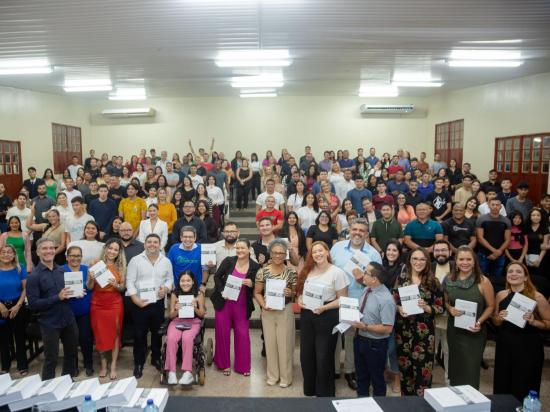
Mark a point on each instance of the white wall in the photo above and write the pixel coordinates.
(519, 106)
(27, 116)
(257, 125)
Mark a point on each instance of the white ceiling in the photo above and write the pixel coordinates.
(172, 44)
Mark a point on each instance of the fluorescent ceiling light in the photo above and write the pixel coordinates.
(485, 55)
(510, 41)
(485, 63)
(378, 91)
(267, 90)
(87, 85)
(417, 84)
(267, 80)
(253, 58)
(244, 95)
(25, 66)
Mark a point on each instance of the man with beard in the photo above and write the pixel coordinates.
(189, 219)
(442, 266)
(458, 231)
(226, 246)
(261, 254)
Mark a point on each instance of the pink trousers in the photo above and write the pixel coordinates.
(187, 338)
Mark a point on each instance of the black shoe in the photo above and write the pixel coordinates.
(263, 350)
(89, 372)
(484, 364)
(352, 383)
(138, 371)
(336, 376)
(156, 364)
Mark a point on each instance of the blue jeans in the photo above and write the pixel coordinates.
(491, 267)
(370, 361)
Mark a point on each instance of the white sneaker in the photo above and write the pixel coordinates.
(186, 379)
(172, 378)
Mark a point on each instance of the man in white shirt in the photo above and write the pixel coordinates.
(70, 191)
(148, 269)
(270, 191)
(162, 161)
(483, 208)
(344, 186)
(20, 210)
(73, 167)
(74, 226)
(226, 246)
(195, 178)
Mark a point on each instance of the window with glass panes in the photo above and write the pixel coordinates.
(449, 137)
(66, 144)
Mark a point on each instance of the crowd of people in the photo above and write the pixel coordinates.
(403, 221)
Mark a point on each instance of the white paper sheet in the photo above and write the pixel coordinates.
(187, 309)
(232, 288)
(341, 328)
(312, 298)
(358, 261)
(410, 295)
(468, 319)
(208, 253)
(75, 282)
(518, 307)
(101, 273)
(357, 405)
(148, 291)
(275, 294)
(349, 310)
(287, 247)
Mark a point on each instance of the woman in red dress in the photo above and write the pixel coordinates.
(107, 309)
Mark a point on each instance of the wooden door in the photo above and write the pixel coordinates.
(10, 166)
(525, 158)
(67, 143)
(449, 139)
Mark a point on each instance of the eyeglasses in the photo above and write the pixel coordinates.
(7, 253)
(125, 230)
(278, 253)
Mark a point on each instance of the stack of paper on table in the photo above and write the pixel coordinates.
(75, 396)
(356, 405)
(115, 393)
(52, 390)
(349, 310)
(147, 291)
(19, 389)
(139, 399)
(410, 295)
(75, 282)
(518, 307)
(101, 273)
(232, 288)
(312, 298)
(275, 293)
(457, 399)
(187, 309)
(469, 317)
(208, 253)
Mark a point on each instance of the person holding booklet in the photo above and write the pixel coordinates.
(81, 306)
(519, 354)
(186, 311)
(319, 287)
(232, 300)
(274, 290)
(469, 299)
(107, 309)
(419, 299)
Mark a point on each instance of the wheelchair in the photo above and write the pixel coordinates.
(202, 354)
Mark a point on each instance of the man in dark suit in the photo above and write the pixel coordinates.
(32, 183)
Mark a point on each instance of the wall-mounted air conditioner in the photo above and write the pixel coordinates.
(386, 108)
(125, 113)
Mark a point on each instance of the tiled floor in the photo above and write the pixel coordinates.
(254, 385)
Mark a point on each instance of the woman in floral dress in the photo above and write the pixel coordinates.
(415, 334)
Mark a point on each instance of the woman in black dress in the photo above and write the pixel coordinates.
(322, 230)
(519, 354)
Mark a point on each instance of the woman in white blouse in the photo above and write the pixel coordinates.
(317, 342)
(218, 200)
(335, 176)
(308, 212)
(296, 199)
(90, 245)
(153, 225)
(140, 174)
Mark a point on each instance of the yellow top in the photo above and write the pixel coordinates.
(132, 211)
(168, 213)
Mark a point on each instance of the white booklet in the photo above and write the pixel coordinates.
(5, 382)
(358, 261)
(208, 253)
(115, 393)
(139, 399)
(187, 309)
(341, 328)
(357, 405)
(232, 288)
(20, 389)
(468, 319)
(275, 293)
(312, 298)
(518, 307)
(52, 390)
(147, 291)
(101, 273)
(349, 310)
(76, 394)
(457, 399)
(410, 295)
(75, 282)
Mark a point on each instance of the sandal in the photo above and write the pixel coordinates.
(226, 372)
(113, 376)
(246, 374)
(24, 372)
(104, 374)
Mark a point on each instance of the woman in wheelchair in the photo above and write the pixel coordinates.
(183, 329)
